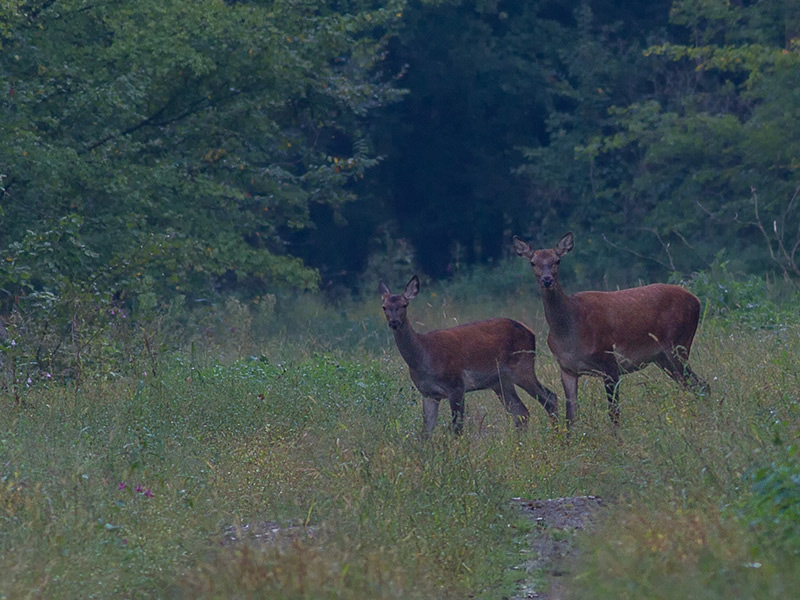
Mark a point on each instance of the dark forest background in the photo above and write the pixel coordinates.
(162, 151)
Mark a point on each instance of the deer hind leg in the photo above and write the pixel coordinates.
(699, 386)
(612, 393)
(527, 380)
(676, 365)
(511, 401)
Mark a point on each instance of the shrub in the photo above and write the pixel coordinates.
(773, 509)
(749, 300)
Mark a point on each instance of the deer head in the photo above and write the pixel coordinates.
(545, 262)
(394, 305)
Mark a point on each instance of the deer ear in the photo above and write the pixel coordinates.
(565, 244)
(522, 248)
(383, 289)
(412, 288)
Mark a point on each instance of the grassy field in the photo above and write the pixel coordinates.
(280, 457)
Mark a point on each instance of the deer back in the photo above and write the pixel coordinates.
(483, 346)
(636, 323)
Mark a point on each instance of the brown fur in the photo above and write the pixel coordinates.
(607, 334)
(494, 354)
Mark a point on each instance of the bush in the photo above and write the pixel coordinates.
(747, 299)
(773, 510)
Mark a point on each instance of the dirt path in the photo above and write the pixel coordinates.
(551, 551)
(552, 543)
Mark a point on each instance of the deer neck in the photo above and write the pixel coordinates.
(560, 312)
(410, 345)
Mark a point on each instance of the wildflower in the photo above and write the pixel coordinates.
(122, 485)
(139, 488)
(148, 493)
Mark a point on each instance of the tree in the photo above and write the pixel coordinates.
(498, 88)
(188, 139)
(665, 172)
(475, 94)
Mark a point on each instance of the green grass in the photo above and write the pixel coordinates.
(128, 486)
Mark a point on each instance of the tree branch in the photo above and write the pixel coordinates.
(641, 256)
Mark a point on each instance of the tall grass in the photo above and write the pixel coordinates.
(300, 422)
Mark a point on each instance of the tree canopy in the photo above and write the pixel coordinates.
(173, 147)
(155, 151)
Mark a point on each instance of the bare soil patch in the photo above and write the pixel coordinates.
(267, 533)
(552, 549)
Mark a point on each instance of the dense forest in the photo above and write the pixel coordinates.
(162, 152)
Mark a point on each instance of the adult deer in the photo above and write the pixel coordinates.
(607, 334)
(494, 354)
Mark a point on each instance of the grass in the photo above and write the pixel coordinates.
(305, 419)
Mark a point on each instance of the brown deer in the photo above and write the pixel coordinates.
(494, 354)
(607, 334)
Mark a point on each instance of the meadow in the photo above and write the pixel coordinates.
(278, 454)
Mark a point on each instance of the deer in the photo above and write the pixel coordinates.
(608, 334)
(496, 354)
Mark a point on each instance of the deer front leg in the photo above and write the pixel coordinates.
(457, 409)
(570, 383)
(612, 393)
(430, 412)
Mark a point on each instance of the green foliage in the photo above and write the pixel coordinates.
(328, 388)
(162, 154)
(231, 147)
(59, 324)
(475, 95)
(192, 140)
(681, 149)
(773, 509)
(750, 300)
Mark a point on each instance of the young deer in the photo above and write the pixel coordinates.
(607, 334)
(494, 354)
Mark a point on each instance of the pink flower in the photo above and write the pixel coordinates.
(148, 493)
(139, 488)
(122, 485)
